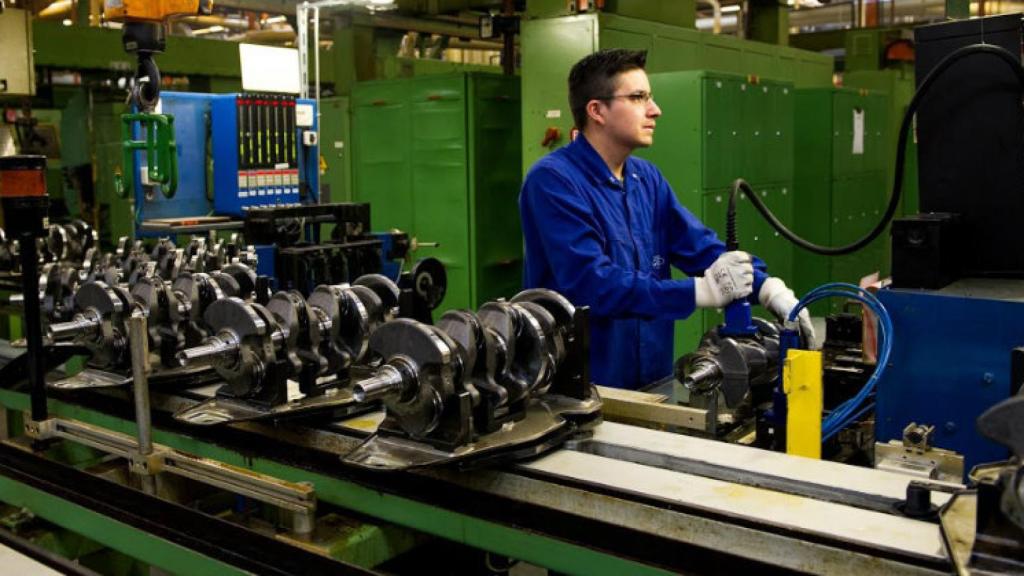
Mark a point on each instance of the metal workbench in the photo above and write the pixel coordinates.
(627, 500)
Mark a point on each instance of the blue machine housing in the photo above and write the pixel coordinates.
(205, 126)
(950, 362)
(238, 188)
(191, 113)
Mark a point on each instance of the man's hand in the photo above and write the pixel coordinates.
(780, 300)
(730, 278)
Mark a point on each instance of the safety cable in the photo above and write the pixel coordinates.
(901, 151)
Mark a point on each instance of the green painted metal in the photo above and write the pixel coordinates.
(115, 215)
(769, 22)
(335, 148)
(841, 193)
(550, 8)
(438, 157)
(160, 148)
(755, 235)
(531, 547)
(670, 48)
(898, 84)
(681, 13)
(111, 533)
(715, 128)
(101, 49)
(864, 49)
(958, 9)
(394, 67)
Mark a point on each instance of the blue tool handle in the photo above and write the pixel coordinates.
(739, 319)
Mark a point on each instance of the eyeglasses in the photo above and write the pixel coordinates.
(639, 97)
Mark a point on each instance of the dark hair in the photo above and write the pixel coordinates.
(594, 77)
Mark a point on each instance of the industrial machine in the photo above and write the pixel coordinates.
(511, 379)
(482, 428)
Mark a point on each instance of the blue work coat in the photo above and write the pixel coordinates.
(608, 243)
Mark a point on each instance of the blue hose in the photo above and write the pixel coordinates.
(847, 412)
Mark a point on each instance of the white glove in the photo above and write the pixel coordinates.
(780, 300)
(730, 278)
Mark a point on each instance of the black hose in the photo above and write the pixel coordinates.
(901, 152)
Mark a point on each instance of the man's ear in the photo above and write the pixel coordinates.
(595, 112)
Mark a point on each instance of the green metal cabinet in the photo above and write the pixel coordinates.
(335, 148)
(898, 84)
(715, 128)
(842, 183)
(670, 49)
(439, 157)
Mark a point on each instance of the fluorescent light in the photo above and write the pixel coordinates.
(210, 30)
(730, 8)
(67, 22)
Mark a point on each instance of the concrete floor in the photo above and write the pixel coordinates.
(14, 563)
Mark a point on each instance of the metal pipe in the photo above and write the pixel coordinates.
(302, 30)
(214, 348)
(508, 49)
(87, 321)
(716, 20)
(138, 338)
(386, 382)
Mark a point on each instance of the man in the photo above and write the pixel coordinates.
(602, 228)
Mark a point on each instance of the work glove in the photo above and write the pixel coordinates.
(780, 300)
(730, 278)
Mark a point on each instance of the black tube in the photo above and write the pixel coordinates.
(901, 152)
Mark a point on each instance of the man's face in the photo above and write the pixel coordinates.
(630, 112)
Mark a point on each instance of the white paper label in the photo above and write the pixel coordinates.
(553, 114)
(858, 131)
(304, 115)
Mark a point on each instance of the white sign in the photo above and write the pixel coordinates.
(269, 69)
(858, 131)
(304, 115)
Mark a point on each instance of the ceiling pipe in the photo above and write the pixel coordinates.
(58, 9)
(716, 19)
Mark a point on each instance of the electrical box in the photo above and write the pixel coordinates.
(235, 152)
(17, 73)
(266, 151)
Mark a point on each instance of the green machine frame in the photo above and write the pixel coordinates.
(373, 500)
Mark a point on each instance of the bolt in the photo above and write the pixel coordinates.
(987, 378)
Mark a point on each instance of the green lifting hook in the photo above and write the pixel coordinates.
(161, 152)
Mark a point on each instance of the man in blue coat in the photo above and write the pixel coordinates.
(603, 227)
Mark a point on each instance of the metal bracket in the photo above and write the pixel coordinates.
(296, 498)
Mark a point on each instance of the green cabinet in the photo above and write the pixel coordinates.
(438, 157)
(335, 148)
(715, 128)
(669, 49)
(841, 179)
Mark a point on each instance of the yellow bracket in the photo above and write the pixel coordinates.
(802, 383)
